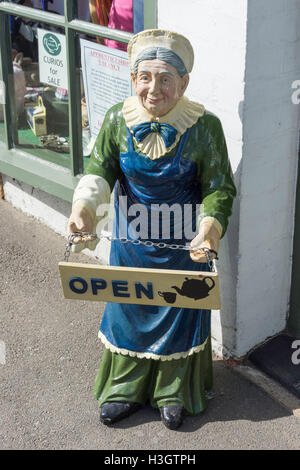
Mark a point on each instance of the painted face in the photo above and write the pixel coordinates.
(158, 86)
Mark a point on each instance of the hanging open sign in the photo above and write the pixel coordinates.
(145, 286)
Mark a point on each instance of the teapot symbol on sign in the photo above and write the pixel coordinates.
(169, 297)
(195, 288)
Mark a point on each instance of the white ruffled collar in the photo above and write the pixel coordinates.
(183, 116)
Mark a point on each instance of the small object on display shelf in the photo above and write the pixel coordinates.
(32, 94)
(36, 117)
(55, 142)
(61, 94)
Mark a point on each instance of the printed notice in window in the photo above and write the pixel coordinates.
(106, 78)
(52, 59)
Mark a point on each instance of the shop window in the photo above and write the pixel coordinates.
(61, 93)
(40, 95)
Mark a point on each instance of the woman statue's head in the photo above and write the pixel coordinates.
(160, 63)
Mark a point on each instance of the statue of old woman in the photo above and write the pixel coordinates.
(155, 148)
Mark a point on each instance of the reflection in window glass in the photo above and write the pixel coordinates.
(53, 6)
(124, 15)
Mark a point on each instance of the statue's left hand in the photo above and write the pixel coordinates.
(208, 237)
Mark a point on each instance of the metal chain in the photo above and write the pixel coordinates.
(108, 236)
(71, 240)
(210, 260)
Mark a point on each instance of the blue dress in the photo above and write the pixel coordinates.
(155, 332)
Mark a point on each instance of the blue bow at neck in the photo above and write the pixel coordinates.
(168, 133)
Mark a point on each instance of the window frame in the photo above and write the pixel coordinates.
(28, 168)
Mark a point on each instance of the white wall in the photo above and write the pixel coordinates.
(217, 31)
(246, 59)
(269, 170)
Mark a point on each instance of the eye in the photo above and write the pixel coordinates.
(144, 78)
(165, 80)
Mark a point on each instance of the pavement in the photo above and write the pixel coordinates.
(50, 353)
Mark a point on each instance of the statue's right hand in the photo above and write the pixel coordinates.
(80, 221)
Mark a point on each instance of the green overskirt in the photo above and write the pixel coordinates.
(162, 383)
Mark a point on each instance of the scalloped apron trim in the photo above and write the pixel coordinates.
(146, 355)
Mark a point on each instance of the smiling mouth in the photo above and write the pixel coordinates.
(152, 101)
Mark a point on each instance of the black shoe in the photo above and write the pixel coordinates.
(117, 410)
(172, 416)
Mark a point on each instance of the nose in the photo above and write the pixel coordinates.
(154, 86)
